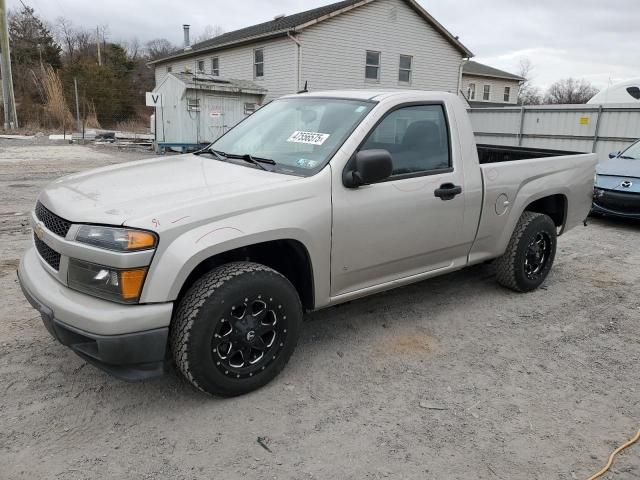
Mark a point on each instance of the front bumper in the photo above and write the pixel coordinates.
(127, 341)
(616, 203)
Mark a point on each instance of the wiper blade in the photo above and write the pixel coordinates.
(217, 153)
(627, 157)
(257, 161)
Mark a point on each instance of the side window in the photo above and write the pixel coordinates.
(258, 63)
(416, 137)
(372, 66)
(471, 91)
(634, 92)
(215, 67)
(404, 71)
(507, 93)
(486, 92)
(200, 66)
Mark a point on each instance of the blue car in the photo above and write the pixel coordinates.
(617, 185)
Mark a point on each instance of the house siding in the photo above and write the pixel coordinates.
(333, 54)
(280, 76)
(497, 88)
(333, 51)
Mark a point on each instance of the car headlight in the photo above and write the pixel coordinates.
(118, 239)
(119, 285)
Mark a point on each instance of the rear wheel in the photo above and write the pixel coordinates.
(236, 328)
(530, 253)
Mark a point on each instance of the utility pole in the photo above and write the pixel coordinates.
(8, 98)
(98, 44)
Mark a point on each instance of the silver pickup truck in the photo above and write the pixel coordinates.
(209, 260)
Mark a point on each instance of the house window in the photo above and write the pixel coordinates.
(200, 65)
(404, 72)
(486, 93)
(250, 108)
(507, 93)
(258, 63)
(471, 91)
(215, 67)
(169, 68)
(372, 68)
(193, 104)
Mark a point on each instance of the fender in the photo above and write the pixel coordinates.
(506, 178)
(305, 218)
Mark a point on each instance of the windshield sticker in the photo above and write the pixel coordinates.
(311, 138)
(306, 163)
(360, 109)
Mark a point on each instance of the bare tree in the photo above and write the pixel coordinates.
(85, 42)
(528, 94)
(132, 47)
(158, 47)
(209, 32)
(570, 91)
(65, 34)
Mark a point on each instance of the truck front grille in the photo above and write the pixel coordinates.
(53, 222)
(47, 253)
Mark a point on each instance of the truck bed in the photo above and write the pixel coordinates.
(506, 153)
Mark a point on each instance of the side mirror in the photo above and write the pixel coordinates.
(369, 166)
(614, 154)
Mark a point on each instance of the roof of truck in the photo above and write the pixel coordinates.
(375, 95)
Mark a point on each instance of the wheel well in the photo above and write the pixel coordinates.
(555, 206)
(288, 257)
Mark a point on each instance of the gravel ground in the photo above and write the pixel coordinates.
(451, 378)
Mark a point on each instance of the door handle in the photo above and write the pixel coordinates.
(447, 191)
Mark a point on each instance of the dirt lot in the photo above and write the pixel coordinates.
(451, 378)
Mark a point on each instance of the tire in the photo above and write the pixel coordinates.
(221, 335)
(529, 255)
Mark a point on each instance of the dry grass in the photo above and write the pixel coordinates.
(91, 120)
(55, 103)
(136, 125)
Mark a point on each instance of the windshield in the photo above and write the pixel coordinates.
(633, 152)
(299, 134)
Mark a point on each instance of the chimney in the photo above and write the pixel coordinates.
(187, 44)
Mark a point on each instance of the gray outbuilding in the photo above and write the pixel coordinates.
(196, 109)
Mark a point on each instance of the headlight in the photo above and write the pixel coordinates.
(110, 283)
(118, 239)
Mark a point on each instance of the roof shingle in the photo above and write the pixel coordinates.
(475, 68)
(279, 26)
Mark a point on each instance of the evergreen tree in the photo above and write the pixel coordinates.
(31, 40)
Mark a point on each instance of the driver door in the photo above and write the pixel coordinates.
(398, 228)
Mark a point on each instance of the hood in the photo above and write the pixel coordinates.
(620, 167)
(111, 195)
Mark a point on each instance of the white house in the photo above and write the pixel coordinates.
(352, 44)
(485, 86)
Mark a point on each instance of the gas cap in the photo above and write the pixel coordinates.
(502, 204)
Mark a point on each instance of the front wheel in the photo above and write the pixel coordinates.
(236, 328)
(530, 253)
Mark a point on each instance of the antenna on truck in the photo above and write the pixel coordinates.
(305, 89)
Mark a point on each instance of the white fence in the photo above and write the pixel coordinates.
(578, 128)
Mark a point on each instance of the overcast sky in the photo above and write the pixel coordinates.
(592, 39)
